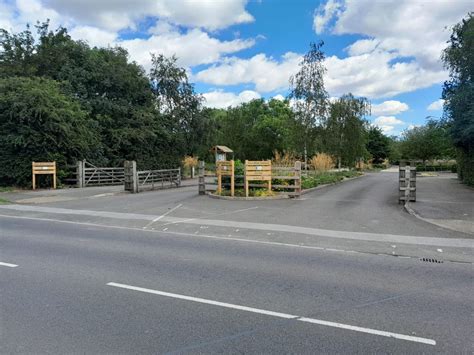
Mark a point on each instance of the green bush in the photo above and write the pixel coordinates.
(39, 123)
(441, 167)
(327, 178)
(465, 170)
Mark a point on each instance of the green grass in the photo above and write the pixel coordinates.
(6, 188)
(3, 201)
(327, 178)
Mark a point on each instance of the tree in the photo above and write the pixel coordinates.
(430, 141)
(176, 99)
(309, 95)
(256, 128)
(38, 122)
(458, 92)
(345, 130)
(113, 91)
(378, 144)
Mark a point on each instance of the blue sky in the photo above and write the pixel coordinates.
(237, 50)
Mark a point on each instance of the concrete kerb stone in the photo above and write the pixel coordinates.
(282, 196)
(242, 198)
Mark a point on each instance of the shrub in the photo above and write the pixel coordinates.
(189, 162)
(322, 162)
(283, 159)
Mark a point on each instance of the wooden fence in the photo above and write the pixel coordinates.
(87, 174)
(285, 180)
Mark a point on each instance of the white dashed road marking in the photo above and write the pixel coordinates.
(8, 264)
(277, 314)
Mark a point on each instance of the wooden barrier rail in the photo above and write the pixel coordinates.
(291, 176)
(43, 168)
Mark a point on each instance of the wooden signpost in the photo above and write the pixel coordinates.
(257, 171)
(225, 168)
(44, 168)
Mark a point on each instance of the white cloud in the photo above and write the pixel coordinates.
(279, 97)
(387, 123)
(98, 22)
(375, 75)
(114, 15)
(93, 35)
(192, 48)
(370, 75)
(408, 27)
(436, 105)
(388, 120)
(390, 107)
(324, 14)
(266, 73)
(221, 99)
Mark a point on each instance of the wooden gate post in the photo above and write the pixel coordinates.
(131, 179)
(298, 180)
(202, 181)
(80, 174)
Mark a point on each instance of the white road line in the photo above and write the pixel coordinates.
(203, 300)
(8, 264)
(369, 331)
(278, 314)
(186, 220)
(163, 215)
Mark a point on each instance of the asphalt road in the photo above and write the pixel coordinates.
(170, 272)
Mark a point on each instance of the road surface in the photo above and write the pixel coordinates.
(171, 272)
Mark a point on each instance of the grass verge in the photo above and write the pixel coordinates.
(327, 178)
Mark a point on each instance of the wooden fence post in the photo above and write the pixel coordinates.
(298, 180)
(80, 174)
(202, 181)
(131, 181)
(193, 172)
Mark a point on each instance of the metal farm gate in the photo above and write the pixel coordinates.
(90, 175)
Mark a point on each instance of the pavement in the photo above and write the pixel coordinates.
(445, 202)
(343, 269)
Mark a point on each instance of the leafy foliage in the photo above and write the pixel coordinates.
(459, 94)
(39, 123)
(430, 141)
(345, 131)
(378, 145)
(310, 96)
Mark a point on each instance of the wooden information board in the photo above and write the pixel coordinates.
(225, 168)
(258, 171)
(44, 168)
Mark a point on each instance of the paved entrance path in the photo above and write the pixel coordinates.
(444, 201)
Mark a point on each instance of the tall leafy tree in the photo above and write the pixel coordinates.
(430, 141)
(310, 99)
(458, 92)
(378, 144)
(178, 101)
(345, 131)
